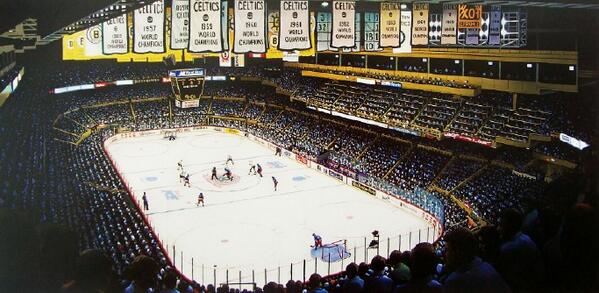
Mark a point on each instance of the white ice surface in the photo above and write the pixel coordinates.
(246, 225)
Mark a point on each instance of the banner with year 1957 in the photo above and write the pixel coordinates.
(148, 28)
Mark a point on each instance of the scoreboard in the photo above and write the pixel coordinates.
(187, 86)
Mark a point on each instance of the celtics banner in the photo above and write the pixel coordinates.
(449, 32)
(390, 32)
(250, 26)
(343, 34)
(205, 26)
(115, 36)
(420, 24)
(294, 31)
(179, 24)
(148, 28)
(405, 45)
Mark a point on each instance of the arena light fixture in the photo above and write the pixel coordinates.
(528, 65)
(424, 60)
(571, 67)
(324, 4)
(490, 63)
(456, 61)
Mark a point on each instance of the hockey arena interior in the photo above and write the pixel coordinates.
(299, 146)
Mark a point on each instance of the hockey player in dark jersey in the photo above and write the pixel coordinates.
(214, 174)
(275, 182)
(259, 169)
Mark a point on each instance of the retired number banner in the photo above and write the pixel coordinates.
(495, 25)
(294, 31)
(179, 24)
(390, 28)
(204, 26)
(469, 16)
(420, 24)
(148, 28)
(250, 26)
(449, 32)
(115, 36)
(343, 34)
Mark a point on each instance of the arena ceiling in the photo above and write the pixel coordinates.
(56, 18)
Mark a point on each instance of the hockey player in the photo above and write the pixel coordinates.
(278, 151)
(229, 159)
(200, 199)
(317, 241)
(187, 181)
(259, 169)
(275, 182)
(228, 173)
(182, 176)
(145, 200)
(180, 165)
(214, 174)
(252, 168)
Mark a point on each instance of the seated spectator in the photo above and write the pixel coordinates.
(315, 284)
(519, 260)
(93, 273)
(378, 281)
(470, 273)
(353, 283)
(398, 263)
(423, 264)
(143, 273)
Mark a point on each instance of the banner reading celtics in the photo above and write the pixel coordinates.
(148, 28)
(343, 34)
(250, 26)
(115, 36)
(449, 33)
(294, 31)
(204, 26)
(420, 24)
(390, 25)
(179, 24)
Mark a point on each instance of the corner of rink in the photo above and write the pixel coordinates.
(309, 198)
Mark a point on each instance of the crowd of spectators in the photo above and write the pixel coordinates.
(78, 188)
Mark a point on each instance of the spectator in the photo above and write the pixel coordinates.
(143, 273)
(170, 282)
(423, 262)
(93, 273)
(470, 273)
(314, 283)
(400, 271)
(378, 282)
(353, 283)
(519, 260)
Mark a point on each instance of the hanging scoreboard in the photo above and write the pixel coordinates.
(187, 86)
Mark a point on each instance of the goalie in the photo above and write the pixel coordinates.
(317, 241)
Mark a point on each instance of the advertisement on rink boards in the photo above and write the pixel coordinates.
(294, 29)
(343, 34)
(115, 36)
(179, 24)
(204, 26)
(148, 28)
(250, 26)
(390, 26)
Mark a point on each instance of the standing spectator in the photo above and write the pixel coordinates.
(93, 273)
(314, 284)
(519, 260)
(423, 262)
(170, 282)
(470, 273)
(378, 281)
(398, 263)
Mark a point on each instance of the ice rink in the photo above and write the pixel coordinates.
(245, 225)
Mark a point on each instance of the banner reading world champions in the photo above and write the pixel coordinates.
(115, 36)
(205, 26)
(250, 26)
(294, 31)
(343, 34)
(390, 30)
(420, 24)
(148, 28)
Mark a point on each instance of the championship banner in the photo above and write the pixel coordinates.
(92, 42)
(294, 31)
(495, 25)
(343, 34)
(205, 33)
(115, 36)
(469, 16)
(390, 25)
(472, 36)
(148, 28)
(179, 24)
(420, 24)
(449, 33)
(250, 26)
(405, 45)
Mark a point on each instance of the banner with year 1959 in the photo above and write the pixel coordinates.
(250, 26)
(205, 33)
(148, 28)
(343, 34)
(294, 30)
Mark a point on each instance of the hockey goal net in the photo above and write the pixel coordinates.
(169, 134)
(332, 252)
